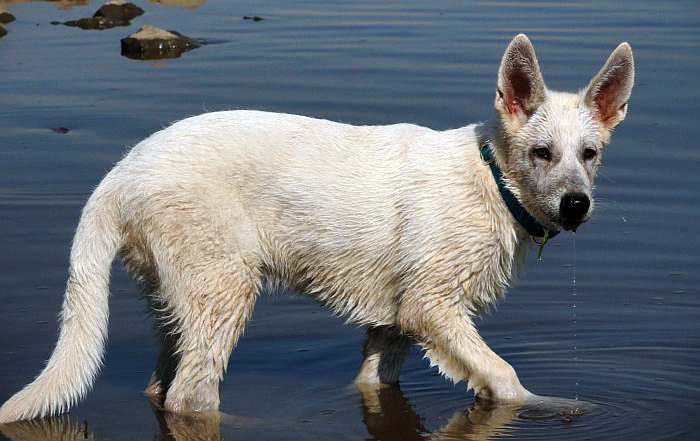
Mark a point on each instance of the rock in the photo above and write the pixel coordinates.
(152, 43)
(189, 4)
(96, 23)
(66, 5)
(253, 17)
(111, 14)
(6, 17)
(3, 32)
(119, 10)
(61, 130)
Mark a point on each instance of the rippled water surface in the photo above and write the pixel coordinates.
(636, 332)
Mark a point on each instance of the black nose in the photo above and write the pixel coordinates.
(574, 206)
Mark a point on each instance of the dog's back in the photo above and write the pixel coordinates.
(309, 200)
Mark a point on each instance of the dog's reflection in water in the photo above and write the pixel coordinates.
(388, 416)
(175, 427)
(172, 427)
(386, 413)
(47, 429)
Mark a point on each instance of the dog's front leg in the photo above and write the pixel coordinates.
(444, 327)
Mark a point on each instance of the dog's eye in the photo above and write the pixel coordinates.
(543, 153)
(589, 154)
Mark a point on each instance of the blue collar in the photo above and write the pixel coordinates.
(525, 219)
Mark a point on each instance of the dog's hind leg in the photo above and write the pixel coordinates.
(139, 262)
(384, 351)
(210, 302)
(166, 363)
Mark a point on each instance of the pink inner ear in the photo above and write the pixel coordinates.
(606, 99)
(518, 93)
(514, 106)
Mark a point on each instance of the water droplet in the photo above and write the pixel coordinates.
(573, 312)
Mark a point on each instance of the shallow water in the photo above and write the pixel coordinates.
(637, 336)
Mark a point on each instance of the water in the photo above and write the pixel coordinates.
(573, 307)
(432, 63)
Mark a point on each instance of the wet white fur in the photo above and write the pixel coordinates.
(397, 227)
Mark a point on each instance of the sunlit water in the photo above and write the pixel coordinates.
(632, 348)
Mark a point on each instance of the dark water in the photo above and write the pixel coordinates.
(636, 333)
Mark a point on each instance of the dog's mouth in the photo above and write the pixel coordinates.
(570, 224)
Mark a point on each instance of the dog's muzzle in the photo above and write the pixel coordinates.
(573, 209)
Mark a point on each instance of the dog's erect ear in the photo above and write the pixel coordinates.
(521, 88)
(608, 92)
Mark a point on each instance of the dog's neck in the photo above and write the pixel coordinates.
(495, 133)
(495, 136)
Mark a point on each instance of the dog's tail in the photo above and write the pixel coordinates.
(77, 358)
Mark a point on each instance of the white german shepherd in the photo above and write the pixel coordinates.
(404, 229)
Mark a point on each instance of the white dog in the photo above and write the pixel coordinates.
(404, 229)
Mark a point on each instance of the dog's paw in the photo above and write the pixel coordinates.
(500, 386)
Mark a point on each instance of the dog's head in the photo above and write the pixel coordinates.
(551, 143)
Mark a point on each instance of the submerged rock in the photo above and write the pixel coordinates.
(6, 17)
(119, 10)
(253, 17)
(99, 23)
(152, 43)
